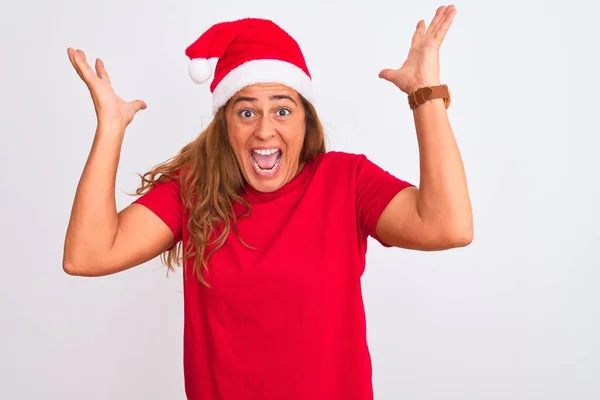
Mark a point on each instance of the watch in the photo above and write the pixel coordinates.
(427, 93)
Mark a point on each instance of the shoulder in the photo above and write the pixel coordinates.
(341, 171)
(341, 164)
(357, 169)
(339, 161)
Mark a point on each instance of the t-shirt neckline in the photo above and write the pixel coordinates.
(255, 196)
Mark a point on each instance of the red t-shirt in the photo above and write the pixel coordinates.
(285, 320)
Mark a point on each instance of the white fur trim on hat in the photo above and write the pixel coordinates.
(261, 71)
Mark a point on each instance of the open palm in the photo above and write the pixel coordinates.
(421, 67)
(108, 105)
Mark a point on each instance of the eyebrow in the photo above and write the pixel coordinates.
(274, 97)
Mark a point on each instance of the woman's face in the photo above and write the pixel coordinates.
(266, 128)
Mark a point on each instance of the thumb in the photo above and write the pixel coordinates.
(386, 74)
(138, 105)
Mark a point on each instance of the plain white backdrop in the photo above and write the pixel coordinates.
(513, 316)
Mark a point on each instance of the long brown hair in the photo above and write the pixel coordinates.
(211, 181)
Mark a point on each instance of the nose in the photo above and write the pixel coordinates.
(265, 129)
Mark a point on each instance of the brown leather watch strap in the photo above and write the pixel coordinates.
(427, 93)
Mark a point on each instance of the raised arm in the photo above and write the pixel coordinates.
(99, 240)
(438, 214)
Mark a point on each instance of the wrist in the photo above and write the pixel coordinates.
(416, 86)
(111, 127)
(433, 105)
(427, 94)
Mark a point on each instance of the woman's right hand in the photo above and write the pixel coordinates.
(110, 108)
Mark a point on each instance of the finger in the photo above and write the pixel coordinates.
(440, 34)
(101, 70)
(71, 53)
(435, 22)
(138, 105)
(419, 32)
(76, 62)
(386, 74)
(84, 69)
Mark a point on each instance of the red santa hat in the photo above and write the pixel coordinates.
(249, 51)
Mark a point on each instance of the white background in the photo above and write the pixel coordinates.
(513, 316)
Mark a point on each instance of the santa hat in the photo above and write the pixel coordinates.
(249, 51)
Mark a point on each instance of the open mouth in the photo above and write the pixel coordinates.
(266, 161)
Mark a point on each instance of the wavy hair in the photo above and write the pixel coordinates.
(210, 182)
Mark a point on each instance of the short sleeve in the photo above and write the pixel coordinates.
(375, 188)
(164, 200)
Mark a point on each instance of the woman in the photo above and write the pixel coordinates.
(273, 229)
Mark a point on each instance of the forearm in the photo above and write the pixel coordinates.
(94, 219)
(443, 199)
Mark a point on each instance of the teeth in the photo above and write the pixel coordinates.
(265, 152)
(265, 170)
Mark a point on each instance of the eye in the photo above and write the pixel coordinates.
(245, 113)
(283, 112)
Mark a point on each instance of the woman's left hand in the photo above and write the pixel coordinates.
(422, 66)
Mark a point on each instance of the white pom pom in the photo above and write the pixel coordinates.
(200, 70)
